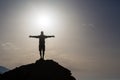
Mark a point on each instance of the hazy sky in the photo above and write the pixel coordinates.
(87, 35)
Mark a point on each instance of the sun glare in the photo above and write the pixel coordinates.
(44, 21)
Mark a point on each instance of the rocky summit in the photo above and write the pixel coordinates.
(40, 70)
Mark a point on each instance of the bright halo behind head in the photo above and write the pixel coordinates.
(44, 21)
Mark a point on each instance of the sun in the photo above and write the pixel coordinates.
(44, 20)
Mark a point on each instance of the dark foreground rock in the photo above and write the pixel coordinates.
(0, 76)
(41, 70)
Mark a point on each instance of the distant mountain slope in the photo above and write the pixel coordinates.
(3, 69)
(41, 70)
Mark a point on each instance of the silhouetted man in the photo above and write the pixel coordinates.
(42, 38)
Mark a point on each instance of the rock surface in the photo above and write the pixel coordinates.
(41, 70)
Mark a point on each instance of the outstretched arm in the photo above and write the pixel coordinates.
(34, 36)
(50, 36)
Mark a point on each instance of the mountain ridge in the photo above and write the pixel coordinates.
(40, 70)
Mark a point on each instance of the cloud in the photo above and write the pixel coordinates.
(9, 46)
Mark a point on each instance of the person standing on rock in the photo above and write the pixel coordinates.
(41, 38)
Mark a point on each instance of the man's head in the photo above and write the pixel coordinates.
(42, 33)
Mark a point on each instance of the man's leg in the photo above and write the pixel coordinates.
(40, 50)
(40, 54)
(43, 51)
